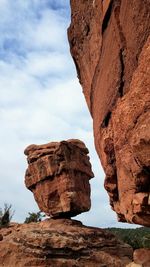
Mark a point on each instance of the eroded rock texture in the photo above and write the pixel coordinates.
(58, 175)
(61, 242)
(142, 256)
(110, 44)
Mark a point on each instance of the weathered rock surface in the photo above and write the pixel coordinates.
(61, 242)
(142, 256)
(58, 175)
(133, 264)
(110, 44)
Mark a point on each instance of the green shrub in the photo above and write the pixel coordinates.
(146, 241)
(34, 217)
(136, 238)
(6, 215)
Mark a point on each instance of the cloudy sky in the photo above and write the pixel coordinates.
(41, 100)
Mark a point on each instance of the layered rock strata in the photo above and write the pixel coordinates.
(110, 45)
(61, 242)
(58, 175)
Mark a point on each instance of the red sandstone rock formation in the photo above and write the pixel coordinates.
(142, 256)
(58, 175)
(110, 45)
(61, 242)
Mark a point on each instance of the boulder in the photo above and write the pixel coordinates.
(142, 256)
(58, 174)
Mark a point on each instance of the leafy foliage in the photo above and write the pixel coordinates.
(34, 217)
(137, 238)
(6, 215)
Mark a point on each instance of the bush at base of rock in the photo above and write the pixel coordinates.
(6, 215)
(34, 217)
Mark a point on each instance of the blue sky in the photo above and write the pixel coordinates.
(41, 100)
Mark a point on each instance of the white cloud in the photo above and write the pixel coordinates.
(47, 33)
(47, 63)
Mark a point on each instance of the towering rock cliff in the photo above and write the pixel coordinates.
(110, 45)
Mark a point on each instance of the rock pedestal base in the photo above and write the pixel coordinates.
(61, 242)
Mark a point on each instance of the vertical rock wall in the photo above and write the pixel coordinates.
(110, 44)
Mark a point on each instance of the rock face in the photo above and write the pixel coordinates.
(142, 256)
(110, 45)
(58, 175)
(61, 242)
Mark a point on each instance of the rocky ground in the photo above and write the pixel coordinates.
(61, 242)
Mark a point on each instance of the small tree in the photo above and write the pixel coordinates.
(34, 217)
(6, 215)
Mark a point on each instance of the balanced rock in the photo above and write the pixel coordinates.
(110, 44)
(58, 175)
(61, 242)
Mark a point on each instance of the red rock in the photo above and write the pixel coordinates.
(61, 242)
(1, 237)
(58, 175)
(133, 264)
(110, 44)
(142, 256)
